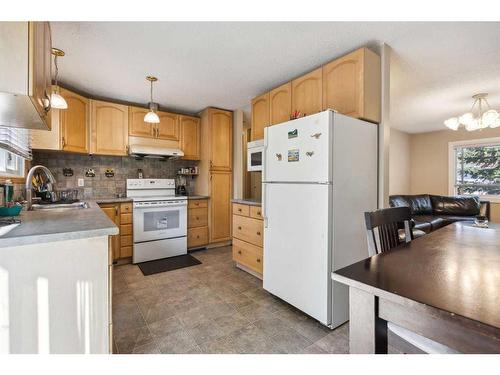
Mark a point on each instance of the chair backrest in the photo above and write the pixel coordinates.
(382, 228)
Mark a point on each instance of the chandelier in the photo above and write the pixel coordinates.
(479, 117)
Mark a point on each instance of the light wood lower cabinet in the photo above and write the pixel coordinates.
(197, 223)
(248, 234)
(121, 215)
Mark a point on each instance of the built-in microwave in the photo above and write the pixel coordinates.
(254, 155)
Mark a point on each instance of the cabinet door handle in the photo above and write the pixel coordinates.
(258, 260)
(63, 142)
(197, 218)
(258, 233)
(198, 236)
(239, 209)
(239, 228)
(116, 210)
(239, 252)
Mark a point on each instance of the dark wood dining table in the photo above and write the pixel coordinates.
(444, 286)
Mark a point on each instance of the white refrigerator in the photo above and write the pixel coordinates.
(319, 177)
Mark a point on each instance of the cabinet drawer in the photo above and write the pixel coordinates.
(126, 208)
(241, 209)
(125, 229)
(197, 217)
(197, 236)
(125, 241)
(126, 218)
(256, 212)
(198, 203)
(125, 251)
(248, 255)
(248, 229)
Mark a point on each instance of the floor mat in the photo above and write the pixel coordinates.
(167, 264)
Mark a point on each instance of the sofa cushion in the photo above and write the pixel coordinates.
(451, 218)
(456, 206)
(422, 225)
(419, 204)
(435, 222)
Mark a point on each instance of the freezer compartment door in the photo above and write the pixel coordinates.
(299, 150)
(297, 247)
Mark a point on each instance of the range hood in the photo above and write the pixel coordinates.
(154, 152)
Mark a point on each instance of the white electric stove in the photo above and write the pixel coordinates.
(160, 219)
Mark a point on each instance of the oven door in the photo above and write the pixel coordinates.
(254, 159)
(160, 222)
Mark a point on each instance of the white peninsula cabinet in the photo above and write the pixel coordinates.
(55, 283)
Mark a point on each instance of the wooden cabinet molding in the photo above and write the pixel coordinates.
(221, 139)
(109, 128)
(74, 123)
(260, 115)
(280, 104)
(190, 137)
(220, 206)
(307, 93)
(351, 85)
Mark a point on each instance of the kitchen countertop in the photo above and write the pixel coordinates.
(51, 226)
(198, 197)
(250, 202)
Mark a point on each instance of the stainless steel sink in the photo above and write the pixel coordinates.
(60, 206)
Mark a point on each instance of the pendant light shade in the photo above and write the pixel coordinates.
(152, 117)
(56, 100)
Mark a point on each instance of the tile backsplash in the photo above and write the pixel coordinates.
(101, 186)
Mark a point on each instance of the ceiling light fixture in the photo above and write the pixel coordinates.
(151, 116)
(479, 117)
(56, 100)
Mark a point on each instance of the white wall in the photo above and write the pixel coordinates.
(399, 163)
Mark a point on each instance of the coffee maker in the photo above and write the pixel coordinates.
(180, 186)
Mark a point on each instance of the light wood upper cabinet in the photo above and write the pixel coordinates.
(307, 92)
(109, 124)
(220, 206)
(280, 104)
(137, 127)
(221, 149)
(74, 123)
(168, 128)
(190, 137)
(25, 74)
(40, 67)
(260, 115)
(351, 85)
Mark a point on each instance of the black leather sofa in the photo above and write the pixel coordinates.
(431, 212)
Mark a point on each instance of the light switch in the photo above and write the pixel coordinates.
(81, 182)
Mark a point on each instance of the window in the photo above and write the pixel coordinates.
(14, 150)
(11, 165)
(475, 167)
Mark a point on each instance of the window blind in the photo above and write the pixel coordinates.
(17, 141)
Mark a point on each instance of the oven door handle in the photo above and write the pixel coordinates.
(139, 207)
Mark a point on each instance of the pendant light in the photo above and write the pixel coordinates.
(479, 117)
(151, 117)
(56, 100)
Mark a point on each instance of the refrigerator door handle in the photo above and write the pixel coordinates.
(264, 178)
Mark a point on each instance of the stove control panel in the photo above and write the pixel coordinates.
(150, 183)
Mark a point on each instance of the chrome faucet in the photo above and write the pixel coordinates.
(29, 183)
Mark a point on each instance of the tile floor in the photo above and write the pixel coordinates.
(211, 308)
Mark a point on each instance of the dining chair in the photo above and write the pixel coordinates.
(383, 229)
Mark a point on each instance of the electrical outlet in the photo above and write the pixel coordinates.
(81, 182)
